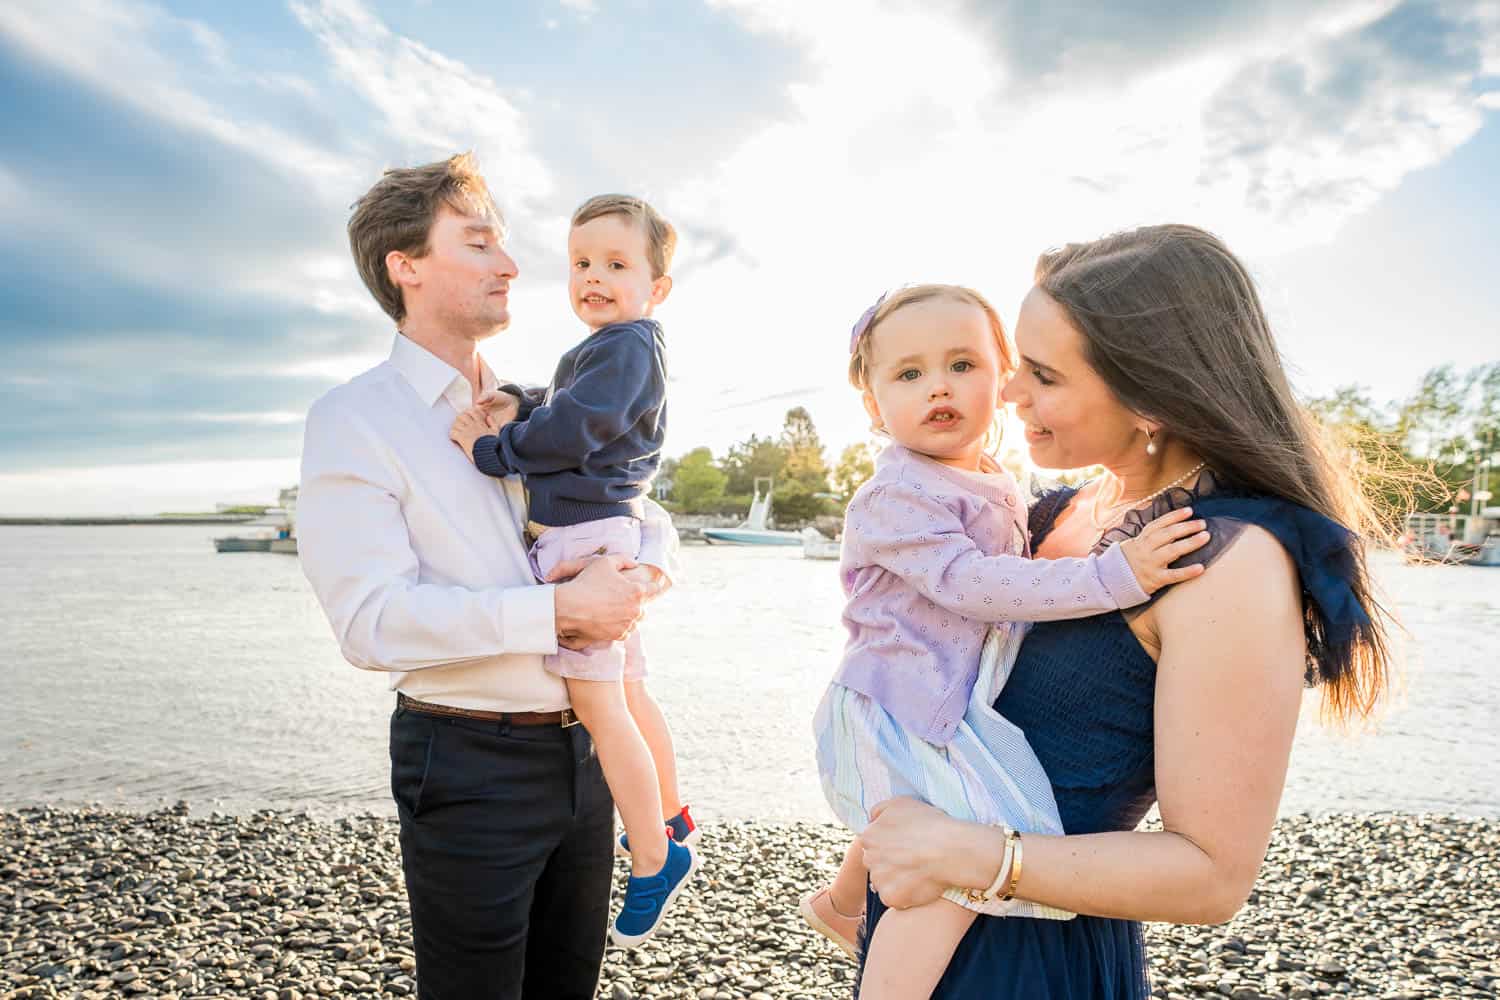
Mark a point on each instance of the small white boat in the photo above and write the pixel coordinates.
(278, 534)
(753, 530)
(816, 545)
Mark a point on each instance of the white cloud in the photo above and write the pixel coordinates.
(433, 104)
(583, 8)
(140, 73)
(915, 152)
(425, 106)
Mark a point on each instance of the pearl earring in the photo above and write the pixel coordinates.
(1150, 443)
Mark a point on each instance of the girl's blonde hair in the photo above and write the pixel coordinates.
(859, 358)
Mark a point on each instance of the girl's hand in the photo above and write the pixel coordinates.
(906, 847)
(1161, 543)
(471, 425)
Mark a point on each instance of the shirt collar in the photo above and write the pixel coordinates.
(431, 377)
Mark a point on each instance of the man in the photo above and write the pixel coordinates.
(419, 563)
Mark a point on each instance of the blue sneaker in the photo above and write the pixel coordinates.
(683, 829)
(648, 899)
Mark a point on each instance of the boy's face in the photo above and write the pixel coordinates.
(609, 275)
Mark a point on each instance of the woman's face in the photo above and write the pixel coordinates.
(1072, 417)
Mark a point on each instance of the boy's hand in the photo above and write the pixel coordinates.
(1161, 543)
(501, 406)
(471, 425)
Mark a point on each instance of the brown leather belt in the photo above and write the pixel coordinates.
(563, 718)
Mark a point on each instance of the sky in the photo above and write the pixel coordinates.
(175, 179)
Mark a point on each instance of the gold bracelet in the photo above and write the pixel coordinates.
(1015, 867)
(987, 895)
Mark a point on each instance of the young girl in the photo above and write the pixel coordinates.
(935, 553)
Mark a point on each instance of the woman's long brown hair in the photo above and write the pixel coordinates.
(1173, 324)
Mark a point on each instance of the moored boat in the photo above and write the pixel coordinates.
(753, 530)
(1462, 539)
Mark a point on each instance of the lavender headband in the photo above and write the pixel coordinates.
(864, 323)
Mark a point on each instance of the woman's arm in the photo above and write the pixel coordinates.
(1228, 690)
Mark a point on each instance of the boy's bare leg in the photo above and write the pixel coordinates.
(626, 760)
(653, 726)
(911, 949)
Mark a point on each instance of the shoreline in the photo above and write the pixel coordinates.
(125, 519)
(105, 903)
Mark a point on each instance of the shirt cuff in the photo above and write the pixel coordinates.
(528, 619)
(1118, 578)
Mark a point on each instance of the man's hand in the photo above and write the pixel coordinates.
(599, 604)
(1161, 543)
(471, 425)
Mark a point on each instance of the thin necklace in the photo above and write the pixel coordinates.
(1094, 509)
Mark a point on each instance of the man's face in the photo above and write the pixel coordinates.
(609, 275)
(463, 283)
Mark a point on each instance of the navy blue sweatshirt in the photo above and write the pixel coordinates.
(589, 451)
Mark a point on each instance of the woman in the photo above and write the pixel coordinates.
(1148, 353)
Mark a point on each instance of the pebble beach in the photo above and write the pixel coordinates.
(97, 903)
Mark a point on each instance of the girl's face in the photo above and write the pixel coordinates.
(934, 379)
(1073, 419)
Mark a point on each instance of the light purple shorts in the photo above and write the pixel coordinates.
(604, 661)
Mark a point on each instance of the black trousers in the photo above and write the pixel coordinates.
(507, 846)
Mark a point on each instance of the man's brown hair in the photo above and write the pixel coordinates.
(398, 212)
(661, 238)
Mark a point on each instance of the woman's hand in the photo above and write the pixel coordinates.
(908, 850)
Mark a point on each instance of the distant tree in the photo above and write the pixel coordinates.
(755, 456)
(696, 483)
(856, 465)
(804, 451)
(794, 503)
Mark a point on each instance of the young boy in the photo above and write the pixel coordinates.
(588, 451)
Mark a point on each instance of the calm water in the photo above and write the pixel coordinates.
(140, 667)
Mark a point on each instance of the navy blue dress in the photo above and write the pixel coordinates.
(1083, 691)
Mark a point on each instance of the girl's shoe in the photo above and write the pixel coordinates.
(648, 899)
(822, 916)
(681, 827)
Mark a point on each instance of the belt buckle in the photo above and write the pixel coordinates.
(568, 718)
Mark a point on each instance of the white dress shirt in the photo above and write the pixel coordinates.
(416, 556)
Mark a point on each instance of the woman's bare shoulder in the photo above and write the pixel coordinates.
(1254, 579)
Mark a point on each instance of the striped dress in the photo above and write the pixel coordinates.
(986, 774)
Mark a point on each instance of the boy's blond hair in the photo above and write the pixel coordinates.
(661, 238)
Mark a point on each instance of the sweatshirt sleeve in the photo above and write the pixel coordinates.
(907, 531)
(528, 397)
(614, 383)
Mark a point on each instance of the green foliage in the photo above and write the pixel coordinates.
(856, 466)
(804, 451)
(793, 504)
(1427, 452)
(755, 456)
(697, 484)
